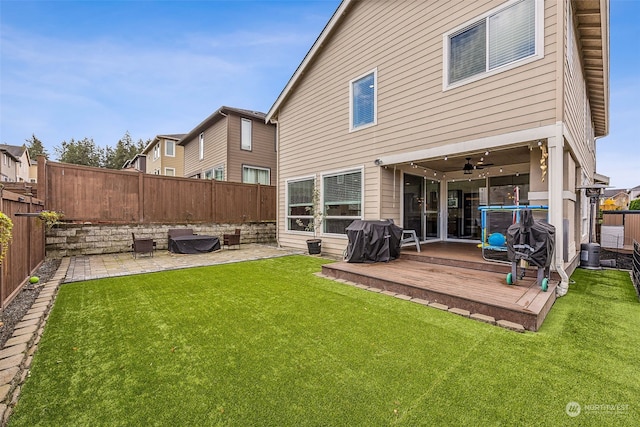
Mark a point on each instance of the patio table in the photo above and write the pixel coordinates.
(194, 244)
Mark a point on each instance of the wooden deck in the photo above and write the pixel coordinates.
(456, 275)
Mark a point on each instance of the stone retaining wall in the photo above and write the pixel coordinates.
(91, 239)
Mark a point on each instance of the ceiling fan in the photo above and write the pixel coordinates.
(468, 167)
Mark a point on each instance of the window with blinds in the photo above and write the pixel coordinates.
(363, 95)
(342, 200)
(501, 38)
(299, 204)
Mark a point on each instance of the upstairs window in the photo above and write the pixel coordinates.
(201, 145)
(245, 136)
(169, 148)
(363, 101)
(495, 42)
(156, 151)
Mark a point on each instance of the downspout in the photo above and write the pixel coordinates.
(277, 147)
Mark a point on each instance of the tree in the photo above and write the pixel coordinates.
(125, 150)
(82, 152)
(35, 148)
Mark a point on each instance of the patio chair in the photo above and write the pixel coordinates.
(142, 246)
(231, 239)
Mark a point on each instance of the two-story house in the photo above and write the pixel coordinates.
(163, 156)
(15, 163)
(422, 112)
(234, 145)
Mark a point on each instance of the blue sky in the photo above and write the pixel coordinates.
(75, 69)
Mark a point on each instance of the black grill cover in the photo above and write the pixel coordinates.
(373, 241)
(531, 240)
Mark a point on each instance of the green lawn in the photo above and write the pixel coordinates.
(267, 343)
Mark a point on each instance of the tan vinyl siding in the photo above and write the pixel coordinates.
(262, 154)
(154, 164)
(176, 162)
(215, 150)
(405, 45)
(191, 157)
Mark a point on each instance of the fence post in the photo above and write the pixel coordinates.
(259, 203)
(43, 193)
(140, 197)
(214, 219)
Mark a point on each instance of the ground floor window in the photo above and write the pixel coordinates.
(300, 204)
(256, 175)
(342, 200)
(218, 173)
(169, 171)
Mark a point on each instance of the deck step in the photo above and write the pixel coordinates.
(454, 286)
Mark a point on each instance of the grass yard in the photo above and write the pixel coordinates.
(267, 343)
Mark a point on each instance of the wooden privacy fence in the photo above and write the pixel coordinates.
(26, 249)
(619, 229)
(87, 194)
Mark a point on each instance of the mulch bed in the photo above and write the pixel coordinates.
(19, 306)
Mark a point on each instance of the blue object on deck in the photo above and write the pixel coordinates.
(497, 239)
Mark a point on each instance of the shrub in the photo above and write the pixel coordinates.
(634, 205)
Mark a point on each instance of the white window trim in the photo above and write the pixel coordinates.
(156, 151)
(166, 144)
(169, 169)
(242, 135)
(257, 168)
(539, 48)
(375, 101)
(201, 146)
(362, 199)
(286, 205)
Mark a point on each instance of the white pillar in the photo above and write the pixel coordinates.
(555, 169)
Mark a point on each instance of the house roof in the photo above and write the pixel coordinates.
(14, 151)
(613, 192)
(218, 115)
(593, 38)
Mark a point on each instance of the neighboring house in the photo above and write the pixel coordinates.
(164, 156)
(139, 163)
(33, 170)
(634, 193)
(424, 112)
(232, 145)
(614, 199)
(15, 163)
